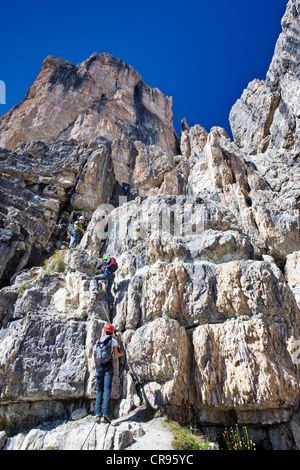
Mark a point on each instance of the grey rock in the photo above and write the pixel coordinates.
(79, 414)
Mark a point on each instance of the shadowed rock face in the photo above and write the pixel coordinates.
(41, 185)
(206, 297)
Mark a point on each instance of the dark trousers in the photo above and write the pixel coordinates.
(75, 240)
(108, 277)
(104, 383)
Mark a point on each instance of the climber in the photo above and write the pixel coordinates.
(106, 348)
(77, 231)
(108, 266)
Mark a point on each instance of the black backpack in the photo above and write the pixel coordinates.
(104, 351)
(113, 265)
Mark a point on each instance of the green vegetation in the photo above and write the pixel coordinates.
(22, 288)
(235, 441)
(185, 438)
(56, 263)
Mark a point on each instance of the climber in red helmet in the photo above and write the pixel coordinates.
(106, 350)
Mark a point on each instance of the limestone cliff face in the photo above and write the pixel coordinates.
(267, 115)
(207, 237)
(82, 134)
(102, 96)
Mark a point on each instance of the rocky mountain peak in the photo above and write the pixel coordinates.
(102, 96)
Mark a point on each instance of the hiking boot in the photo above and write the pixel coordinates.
(105, 419)
(98, 419)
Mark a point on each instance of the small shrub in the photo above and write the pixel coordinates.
(186, 439)
(235, 441)
(56, 263)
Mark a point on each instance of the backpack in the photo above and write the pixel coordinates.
(72, 230)
(113, 265)
(104, 350)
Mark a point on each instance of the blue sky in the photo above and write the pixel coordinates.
(201, 53)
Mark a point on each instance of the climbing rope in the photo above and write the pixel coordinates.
(108, 319)
(88, 436)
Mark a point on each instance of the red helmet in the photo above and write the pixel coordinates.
(109, 329)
